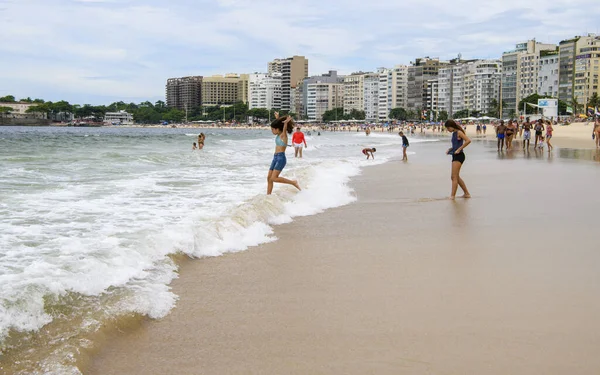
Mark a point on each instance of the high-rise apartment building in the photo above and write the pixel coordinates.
(293, 70)
(371, 95)
(264, 91)
(354, 92)
(469, 85)
(587, 68)
(566, 69)
(322, 93)
(224, 90)
(548, 74)
(433, 94)
(393, 90)
(419, 72)
(184, 93)
(520, 73)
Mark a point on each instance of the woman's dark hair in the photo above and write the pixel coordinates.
(374, 149)
(278, 124)
(453, 124)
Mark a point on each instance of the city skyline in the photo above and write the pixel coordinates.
(100, 51)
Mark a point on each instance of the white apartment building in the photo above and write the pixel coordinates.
(548, 75)
(393, 90)
(264, 90)
(371, 96)
(433, 94)
(322, 97)
(384, 102)
(118, 118)
(469, 85)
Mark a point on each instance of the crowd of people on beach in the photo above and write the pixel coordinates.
(506, 134)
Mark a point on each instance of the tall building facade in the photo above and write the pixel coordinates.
(469, 85)
(393, 90)
(293, 70)
(371, 96)
(520, 73)
(566, 69)
(224, 90)
(418, 73)
(587, 68)
(354, 92)
(433, 94)
(184, 93)
(264, 90)
(322, 93)
(548, 74)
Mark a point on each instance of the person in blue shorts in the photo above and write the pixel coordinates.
(405, 145)
(281, 127)
(500, 131)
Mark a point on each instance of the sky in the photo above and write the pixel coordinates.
(101, 51)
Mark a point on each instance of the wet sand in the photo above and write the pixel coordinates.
(402, 281)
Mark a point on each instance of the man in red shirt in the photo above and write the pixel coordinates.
(297, 140)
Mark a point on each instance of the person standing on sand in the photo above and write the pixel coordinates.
(549, 130)
(459, 142)
(405, 145)
(280, 128)
(500, 130)
(484, 128)
(297, 140)
(539, 128)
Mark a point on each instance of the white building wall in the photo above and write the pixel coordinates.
(548, 76)
(371, 96)
(264, 90)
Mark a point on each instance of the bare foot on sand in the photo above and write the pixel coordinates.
(295, 183)
(466, 196)
(452, 198)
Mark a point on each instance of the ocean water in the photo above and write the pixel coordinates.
(92, 221)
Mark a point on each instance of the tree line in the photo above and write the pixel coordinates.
(148, 112)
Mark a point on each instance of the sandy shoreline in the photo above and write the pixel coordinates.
(400, 281)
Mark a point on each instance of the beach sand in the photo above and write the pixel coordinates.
(401, 281)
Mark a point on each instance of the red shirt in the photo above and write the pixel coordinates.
(298, 138)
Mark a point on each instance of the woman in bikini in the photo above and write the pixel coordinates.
(459, 142)
(201, 138)
(510, 133)
(281, 127)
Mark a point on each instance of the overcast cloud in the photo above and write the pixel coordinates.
(100, 51)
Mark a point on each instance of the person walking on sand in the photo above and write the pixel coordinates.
(297, 141)
(596, 132)
(510, 133)
(549, 130)
(539, 128)
(280, 128)
(405, 145)
(459, 142)
(367, 151)
(500, 130)
(526, 133)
